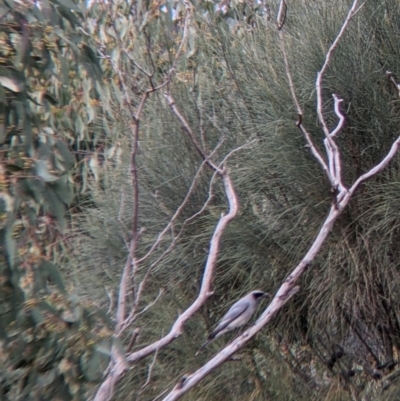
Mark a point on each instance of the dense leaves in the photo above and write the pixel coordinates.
(48, 76)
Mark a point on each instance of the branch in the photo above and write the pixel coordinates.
(188, 382)
(378, 168)
(178, 210)
(205, 291)
(321, 73)
(338, 112)
(288, 288)
(189, 131)
(133, 315)
(332, 150)
(118, 364)
(285, 291)
(335, 165)
(299, 123)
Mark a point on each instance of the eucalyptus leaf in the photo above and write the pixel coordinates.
(11, 79)
(70, 16)
(37, 316)
(50, 99)
(67, 157)
(43, 172)
(51, 273)
(91, 62)
(68, 4)
(90, 366)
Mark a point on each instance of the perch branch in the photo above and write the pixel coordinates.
(286, 290)
(118, 365)
(288, 287)
(205, 292)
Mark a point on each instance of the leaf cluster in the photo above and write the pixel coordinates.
(50, 81)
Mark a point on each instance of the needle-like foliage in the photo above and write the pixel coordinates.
(340, 335)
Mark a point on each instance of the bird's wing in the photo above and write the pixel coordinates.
(233, 313)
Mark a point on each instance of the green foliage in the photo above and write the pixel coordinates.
(49, 348)
(50, 83)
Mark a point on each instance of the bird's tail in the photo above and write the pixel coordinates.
(209, 339)
(202, 347)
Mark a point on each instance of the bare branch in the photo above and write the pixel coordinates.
(281, 18)
(132, 316)
(121, 305)
(175, 215)
(118, 365)
(334, 154)
(170, 225)
(189, 131)
(314, 150)
(205, 291)
(339, 114)
(335, 165)
(299, 123)
(206, 203)
(321, 73)
(135, 335)
(288, 288)
(332, 150)
(138, 66)
(375, 170)
(289, 74)
(150, 369)
(189, 381)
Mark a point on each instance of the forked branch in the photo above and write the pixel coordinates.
(343, 196)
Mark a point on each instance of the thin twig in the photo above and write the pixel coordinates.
(176, 215)
(135, 335)
(339, 113)
(118, 365)
(150, 370)
(328, 57)
(299, 123)
(186, 127)
(205, 292)
(132, 316)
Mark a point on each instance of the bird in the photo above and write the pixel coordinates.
(238, 315)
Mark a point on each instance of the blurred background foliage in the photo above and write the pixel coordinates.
(66, 71)
(54, 345)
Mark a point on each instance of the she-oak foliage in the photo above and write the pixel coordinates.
(64, 130)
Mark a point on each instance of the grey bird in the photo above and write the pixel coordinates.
(238, 315)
